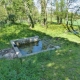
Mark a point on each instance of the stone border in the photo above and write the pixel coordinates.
(38, 52)
(8, 53)
(15, 43)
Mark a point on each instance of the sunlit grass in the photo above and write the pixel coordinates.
(8, 33)
(58, 31)
(61, 64)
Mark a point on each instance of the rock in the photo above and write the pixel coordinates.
(2, 51)
(57, 47)
(9, 55)
(50, 46)
(12, 51)
(75, 32)
(6, 51)
(1, 56)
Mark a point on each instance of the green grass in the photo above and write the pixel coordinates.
(61, 64)
(8, 33)
(77, 22)
(11, 32)
(55, 30)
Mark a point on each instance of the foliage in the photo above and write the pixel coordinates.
(18, 8)
(3, 13)
(61, 64)
(11, 18)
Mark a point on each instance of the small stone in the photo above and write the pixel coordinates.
(9, 55)
(6, 51)
(1, 56)
(2, 51)
(12, 51)
(57, 47)
(70, 50)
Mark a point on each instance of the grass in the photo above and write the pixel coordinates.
(8, 33)
(58, 31)
(77, 22)
(61, 64)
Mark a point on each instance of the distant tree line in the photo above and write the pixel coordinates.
(18, 10)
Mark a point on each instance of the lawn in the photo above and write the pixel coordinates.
(61, 64)
(8, 33)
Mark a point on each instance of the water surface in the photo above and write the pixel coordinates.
(32, 47)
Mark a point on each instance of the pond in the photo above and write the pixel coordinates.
(33, 47)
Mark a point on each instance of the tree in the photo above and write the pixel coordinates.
(3, 13)
(28, 6)
(43, 12)
(60, 10)
(57, 9)
(69, 3)
(7, 4)
(67, 6)
(18, 9)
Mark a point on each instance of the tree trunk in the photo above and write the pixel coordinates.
(58, 19)
(67, 26)
(51, 15)
(43, 13)
(31, 20)
(72, 22)
(29, 14)
(51, 11)
(67, 17)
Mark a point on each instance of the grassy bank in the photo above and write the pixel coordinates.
(8, 33)
(61, 64)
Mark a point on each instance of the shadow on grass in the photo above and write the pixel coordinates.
(78, 35)
(61, 64)
(56, 64)
(24, 32)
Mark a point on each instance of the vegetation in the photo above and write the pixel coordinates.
(51, 65)
(58, 64)
(17, 31)
(22, 18)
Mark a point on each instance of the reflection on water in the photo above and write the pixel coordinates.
(37, 46)
(31, 47)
